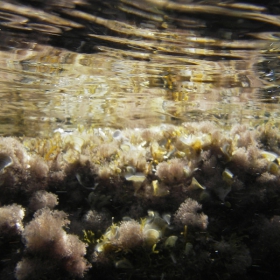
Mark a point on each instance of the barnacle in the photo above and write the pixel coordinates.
(273, 168)
(157, 152)
(228, 176)
(196, 142)
(151, 236)
(270, 156)
(159, 189)
(222, 191)
(5, 161)
(124, 264)
(188, 248)
(171, 241)
(195, 185)
(73, 142)
(71, 156)
(227, 152)
(137, 179)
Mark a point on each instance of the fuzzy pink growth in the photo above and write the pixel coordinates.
(187, 215)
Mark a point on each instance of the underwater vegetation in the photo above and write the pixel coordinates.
(166, 202)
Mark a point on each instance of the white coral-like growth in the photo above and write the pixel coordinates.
(130, 234)
(42, 199)
(11, 219)
(45, 235)
(171, 171)
(187, 215)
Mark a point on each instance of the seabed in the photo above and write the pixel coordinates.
(166, 202)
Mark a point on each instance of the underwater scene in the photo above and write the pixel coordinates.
(139, 139)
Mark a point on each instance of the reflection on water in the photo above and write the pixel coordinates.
(136, 63)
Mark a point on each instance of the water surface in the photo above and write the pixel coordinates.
(136, 64)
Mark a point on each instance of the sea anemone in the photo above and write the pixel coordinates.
(42, 199)
(171, 171)
(45, 237)
(130, 234)
(11, 217)
(188, 215)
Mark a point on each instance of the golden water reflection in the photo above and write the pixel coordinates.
(151, 66)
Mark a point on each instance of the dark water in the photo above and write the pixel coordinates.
(136, 63)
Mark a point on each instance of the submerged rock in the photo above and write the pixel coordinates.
(196, 198)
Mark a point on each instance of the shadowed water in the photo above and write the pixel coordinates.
(136, 63)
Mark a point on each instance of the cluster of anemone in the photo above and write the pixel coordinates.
(49, 248)
(168, 195)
